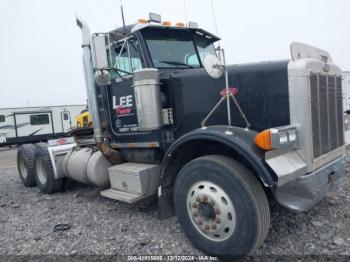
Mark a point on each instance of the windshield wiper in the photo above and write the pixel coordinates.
(176, 63)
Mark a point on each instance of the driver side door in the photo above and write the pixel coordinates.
(126, 57)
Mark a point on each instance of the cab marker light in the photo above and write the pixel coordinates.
(166, 23)
(180, 24)
(142, 21)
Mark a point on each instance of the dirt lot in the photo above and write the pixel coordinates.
(105, 227)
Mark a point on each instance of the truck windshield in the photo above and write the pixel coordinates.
(171, 48)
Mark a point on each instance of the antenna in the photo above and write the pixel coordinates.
(216, 28)
(185, 7)
(214, 17)
(122, 11)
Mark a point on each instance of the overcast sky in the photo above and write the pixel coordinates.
(40, 54)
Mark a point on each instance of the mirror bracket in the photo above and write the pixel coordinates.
(214, 69)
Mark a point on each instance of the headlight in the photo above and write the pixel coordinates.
(274, 138)
(283, 138)
(292, 135)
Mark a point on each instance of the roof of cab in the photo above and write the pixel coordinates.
(120, 31)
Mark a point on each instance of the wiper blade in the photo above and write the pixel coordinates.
(176, 63)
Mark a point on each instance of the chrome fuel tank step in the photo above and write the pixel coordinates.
(131, 182)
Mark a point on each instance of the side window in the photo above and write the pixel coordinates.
(205, 46)
(2, 118)
(204, 51)
(126, 57)
(42, 119)
(192, 60)
(65, 116)
(134, 54)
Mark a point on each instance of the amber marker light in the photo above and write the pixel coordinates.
(263, 140)
(180, 24)
(142, 21)
(166, 23)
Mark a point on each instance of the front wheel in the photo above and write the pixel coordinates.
(221, 207)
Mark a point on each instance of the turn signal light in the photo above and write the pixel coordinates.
(277, 137)
(263, 140)
(166, 23)
(142, 21)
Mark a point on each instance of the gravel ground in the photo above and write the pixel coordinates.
(99, 226)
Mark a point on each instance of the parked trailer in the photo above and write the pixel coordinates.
(214, 141)
(346, 104)
(346, 90)
(34, 124)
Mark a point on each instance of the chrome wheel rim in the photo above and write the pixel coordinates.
(23, 167)
(211, 211)
(41, 172)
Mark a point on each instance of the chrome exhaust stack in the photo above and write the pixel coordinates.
(89, 79)
(95, 57)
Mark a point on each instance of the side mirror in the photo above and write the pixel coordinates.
(100, 59)
(99, 52)
(213, 66)
(102, 77)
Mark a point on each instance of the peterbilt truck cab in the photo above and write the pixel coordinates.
(159, 127)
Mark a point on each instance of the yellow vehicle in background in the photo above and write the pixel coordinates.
(84, 119)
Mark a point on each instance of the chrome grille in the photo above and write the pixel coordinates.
(326, 113)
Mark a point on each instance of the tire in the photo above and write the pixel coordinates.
(25, 165)
(221, 207)
(44, 174)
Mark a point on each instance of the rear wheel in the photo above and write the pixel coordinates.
(221, 207)
(25, 165)
(44, 174)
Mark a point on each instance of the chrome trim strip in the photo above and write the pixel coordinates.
(134, 145)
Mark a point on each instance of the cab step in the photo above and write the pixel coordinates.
(121, 196)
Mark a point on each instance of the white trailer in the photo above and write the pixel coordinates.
(346, 105)
(33, 124)
(346, 90)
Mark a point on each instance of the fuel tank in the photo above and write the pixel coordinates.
(87, 166)
(147, 99)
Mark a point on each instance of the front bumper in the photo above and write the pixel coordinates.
(304, 192)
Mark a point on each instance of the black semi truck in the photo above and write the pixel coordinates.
(153, 92)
